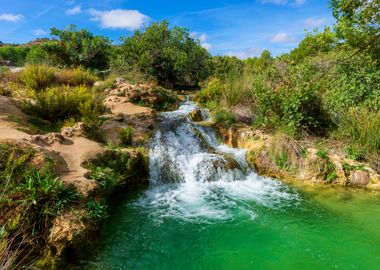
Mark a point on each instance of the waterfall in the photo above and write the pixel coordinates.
(194, 177)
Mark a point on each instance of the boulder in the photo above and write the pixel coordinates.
(196, 115)
(359, 178)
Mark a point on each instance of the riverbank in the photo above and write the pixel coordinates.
(281, 157)
(84, 173)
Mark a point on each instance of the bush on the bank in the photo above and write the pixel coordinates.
(37, 77)
(75, 77)
(61, 103)
(30, 199)
(118, 168)
(126, 135)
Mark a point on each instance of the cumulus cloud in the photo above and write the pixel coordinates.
(315, 21)
(207, 46)
(282, 38)
(119, 18)
(11, 17)
(251, 52)
(75, 10)
(39, 32)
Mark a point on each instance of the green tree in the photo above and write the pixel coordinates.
(80, 48)
(358, 23)
(168, 54)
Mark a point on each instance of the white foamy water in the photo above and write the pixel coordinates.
(195, 178)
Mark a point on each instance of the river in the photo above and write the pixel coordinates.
(207, 209)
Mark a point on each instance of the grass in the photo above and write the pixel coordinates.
(126, 135)
(37, 77)
(75, 77)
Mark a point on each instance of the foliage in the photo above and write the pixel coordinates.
(96, 210)
(37, 55)
(61, 103)
(358, 24)
(354, 153)
(126, 135)
(118, 168)
(169, 55)
(80, 48)
(37, 77)
(15, 54)
(30, 199)
(75, 77)
(224, 117)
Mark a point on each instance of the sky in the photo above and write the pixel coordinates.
(224, 27)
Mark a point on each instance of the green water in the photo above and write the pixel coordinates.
(320, 228)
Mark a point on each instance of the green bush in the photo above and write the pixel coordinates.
(169, 55)
(37, 77)
(126, 135)
(362, 127)
(59, 103)
(96, 210)
(223, 116)
(75, 77)
(37, 55)
(16, 54)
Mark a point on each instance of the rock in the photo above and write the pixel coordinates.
(359, 178)
(243, 114)
(196, 115)
(77, 130)
(48, 138)
(98, 83)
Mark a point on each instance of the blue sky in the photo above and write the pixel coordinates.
(224, 27)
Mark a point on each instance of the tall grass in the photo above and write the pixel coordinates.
(37, 77)
(75, 77)
(362, 127)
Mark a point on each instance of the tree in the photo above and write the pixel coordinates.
(169, 55)
(358, 23)
(80, 48)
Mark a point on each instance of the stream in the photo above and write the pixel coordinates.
(207, 209)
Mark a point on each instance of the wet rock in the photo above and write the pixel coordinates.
(359, 178)
(196, 115)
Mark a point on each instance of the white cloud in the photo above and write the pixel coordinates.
(315, 21)
(119, 18)
(207, 46)
(282, 38)
(75, 10)
(203, 38)
(11, 17)
(251, 52)
(284, 2)
(39, 32)
(200, 36)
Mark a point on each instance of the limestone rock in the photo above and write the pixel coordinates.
(359, 178)
(77, 130)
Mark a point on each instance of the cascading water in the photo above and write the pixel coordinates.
(193, 177)
(206, 209)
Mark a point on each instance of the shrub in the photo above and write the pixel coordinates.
(354, 153)
(362, 127)
(75, 77)
(90, 111)
(37, 77)
(96, 210)
(126, 135)
(223, 116)
(37, 56)
(58, 104)
(118, 168)
(211, 92)
(102, 86)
